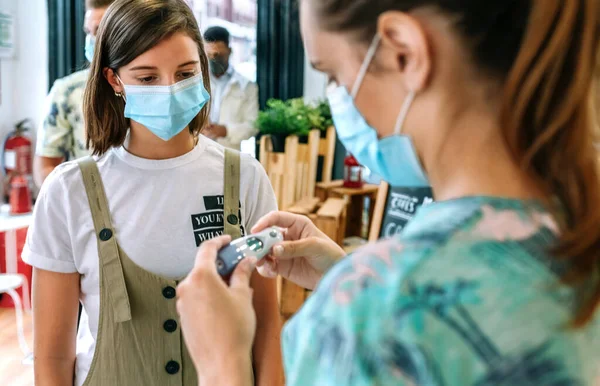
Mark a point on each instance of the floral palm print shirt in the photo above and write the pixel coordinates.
(62, 135)
(467, 295)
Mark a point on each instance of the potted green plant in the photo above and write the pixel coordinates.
(292, 117)
(274, 121)
(324, 111)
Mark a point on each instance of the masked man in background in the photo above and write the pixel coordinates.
(234, 102)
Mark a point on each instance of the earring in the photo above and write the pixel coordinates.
(118, 94)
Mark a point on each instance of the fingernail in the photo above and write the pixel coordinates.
(277, 250)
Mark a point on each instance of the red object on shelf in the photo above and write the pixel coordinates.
(22, 268)
(20, 195)
(16, 155)
(352, 173)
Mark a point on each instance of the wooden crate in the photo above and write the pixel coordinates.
(328, 216)
(355, 199)
(327, 151)
(292, 173)
(323, 189)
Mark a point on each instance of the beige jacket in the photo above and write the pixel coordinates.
(238, 111)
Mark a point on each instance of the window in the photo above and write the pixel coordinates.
(239, 17)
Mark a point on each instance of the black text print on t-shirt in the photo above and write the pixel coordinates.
(210, 224)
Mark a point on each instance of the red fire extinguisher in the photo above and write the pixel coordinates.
(17, 150)
(16, 156)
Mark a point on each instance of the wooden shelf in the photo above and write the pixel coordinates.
(367, 189)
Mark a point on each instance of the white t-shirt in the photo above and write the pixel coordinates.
(161, 211)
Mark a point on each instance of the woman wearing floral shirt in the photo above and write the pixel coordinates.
(498, 282)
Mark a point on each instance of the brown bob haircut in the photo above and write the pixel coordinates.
(130, 28)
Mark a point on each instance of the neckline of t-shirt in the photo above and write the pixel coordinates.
(152, 164)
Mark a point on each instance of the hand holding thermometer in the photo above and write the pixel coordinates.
(258, 246)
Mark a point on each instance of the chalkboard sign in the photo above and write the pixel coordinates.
(395, 207)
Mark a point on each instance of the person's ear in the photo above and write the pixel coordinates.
(405, 37)
(112, 79)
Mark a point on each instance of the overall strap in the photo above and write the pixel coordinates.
(108, 250)
(231, 191)
(231, 203)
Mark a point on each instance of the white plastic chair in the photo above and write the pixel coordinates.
(8, 284)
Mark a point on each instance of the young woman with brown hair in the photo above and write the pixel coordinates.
(498, 282)
(119, 231)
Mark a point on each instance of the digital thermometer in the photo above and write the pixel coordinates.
(258, 246)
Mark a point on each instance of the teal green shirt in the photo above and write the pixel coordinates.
(467, 295)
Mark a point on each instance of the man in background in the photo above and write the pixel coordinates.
(234, 102)
(62, 136)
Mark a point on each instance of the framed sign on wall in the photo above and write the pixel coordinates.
(394, 208)
(7, 34)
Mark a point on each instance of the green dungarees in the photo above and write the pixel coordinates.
(139, 339)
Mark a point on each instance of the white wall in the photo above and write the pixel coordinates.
(24, 79)
(315, 86)
(315, 83)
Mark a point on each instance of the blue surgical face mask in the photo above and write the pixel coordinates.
(90, 44)
(166, 110)
(393, 158)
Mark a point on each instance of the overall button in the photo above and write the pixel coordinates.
(105, 234)
(172, 367)
(232, 219)
(170, 325)
(169, 292)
